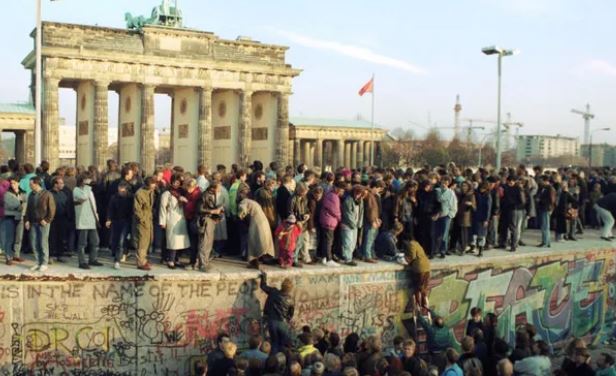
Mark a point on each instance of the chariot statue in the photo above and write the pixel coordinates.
(162, 15)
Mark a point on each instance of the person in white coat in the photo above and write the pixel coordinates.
(86, 221)
(171, 219)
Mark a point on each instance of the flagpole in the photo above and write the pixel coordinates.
(372, 126)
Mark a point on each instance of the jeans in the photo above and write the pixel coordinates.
(89, 238)
(327, 243)
(279, 335)
(607, 219)
(39, 241)
(511, 224)
(301, 248)
(120, 229)
(493, 230)
(193, 235)
(206, 241)
(7, 233)
(442, 226)
(544, 219)
(348, 237)
(367, 246)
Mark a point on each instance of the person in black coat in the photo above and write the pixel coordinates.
(565, 207)
(481, 216)
(283, 198)
(427, 212)
(278, 310)
(119, 221)
(512, 211)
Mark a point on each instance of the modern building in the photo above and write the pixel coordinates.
(544, 147)
(602, 154)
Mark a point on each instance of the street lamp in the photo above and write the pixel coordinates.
(493, 50)
(590, 144)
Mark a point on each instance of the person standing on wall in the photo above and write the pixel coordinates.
(86, 221)
(143, 211)
(278, 311)
(39, 215)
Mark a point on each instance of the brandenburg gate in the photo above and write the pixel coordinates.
(230, 98)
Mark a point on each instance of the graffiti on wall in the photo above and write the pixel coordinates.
(164, 327)
(561, 298)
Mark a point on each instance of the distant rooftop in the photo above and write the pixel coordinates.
(17, 108)
(338, 123)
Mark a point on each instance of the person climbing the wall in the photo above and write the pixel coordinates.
(278, 311)
(419, 268)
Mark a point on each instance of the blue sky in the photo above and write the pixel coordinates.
(422, 53)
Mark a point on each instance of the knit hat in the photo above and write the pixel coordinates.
(291, 219)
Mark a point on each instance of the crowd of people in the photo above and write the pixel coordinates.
(291, 216)
(318, 352)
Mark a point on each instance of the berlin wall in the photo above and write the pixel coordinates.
(162, 327)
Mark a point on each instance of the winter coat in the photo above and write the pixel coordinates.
(265, 198)
(260, 240)
(45, 208)
(465, 210)
(222, 200)
(351, 213)
(546, 198)
(171, 216)
(299, 207)
(143, 205)
(427, 204)
(372, 208)
(86, 217)
(483, 208)
(13, 205)
(405, 209)
(283, 202)
(278, 306)
(5, 185)
(120, 207)
(387, 210)
(330, 215)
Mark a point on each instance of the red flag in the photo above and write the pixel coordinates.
(367, 88)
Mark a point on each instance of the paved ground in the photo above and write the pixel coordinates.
(224, 268)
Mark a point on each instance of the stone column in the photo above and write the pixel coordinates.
(360, 154)
(347, 154)
(148, 151)
(306, 154)
(245, 127)
(50, 127)
(318, 154)
(205, 127)
(297, 158)
(367, 149)
(29, 146)
(20, 150)
(101, 124)
(353, 154)
(339, 154)
(282, 138)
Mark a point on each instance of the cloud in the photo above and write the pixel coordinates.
(602, 67)
(359, 53)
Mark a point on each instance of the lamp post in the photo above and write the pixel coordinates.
(590, 144)
(493, 50)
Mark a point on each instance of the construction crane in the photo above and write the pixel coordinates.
(508, 125)
(470, 126)
(587, 115)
